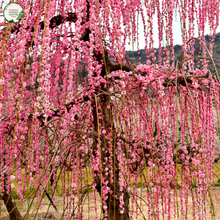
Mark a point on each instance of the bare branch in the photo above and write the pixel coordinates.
(119, 66)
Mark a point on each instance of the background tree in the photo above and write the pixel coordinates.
(145, 123)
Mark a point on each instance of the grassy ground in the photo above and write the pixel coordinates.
(87, 180)
(89, 203)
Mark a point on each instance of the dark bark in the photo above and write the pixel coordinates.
(112, 202)
(11, 206)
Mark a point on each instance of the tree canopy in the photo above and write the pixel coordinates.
(150, 124)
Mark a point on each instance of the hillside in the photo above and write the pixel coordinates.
(178, 51)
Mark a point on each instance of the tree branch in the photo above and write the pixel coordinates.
(54, 22)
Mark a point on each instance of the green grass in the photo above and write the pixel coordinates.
(60, 189)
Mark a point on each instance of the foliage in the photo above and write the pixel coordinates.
(127, 124)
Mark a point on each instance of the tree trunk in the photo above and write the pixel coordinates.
(113, 203)
(114, 211)
(11, 206)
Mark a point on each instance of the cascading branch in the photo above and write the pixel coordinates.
(152, 125)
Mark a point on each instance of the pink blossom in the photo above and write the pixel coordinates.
(12, 177)
(196, 162)
(2, 82)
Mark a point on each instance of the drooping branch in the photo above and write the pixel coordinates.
(54, 22)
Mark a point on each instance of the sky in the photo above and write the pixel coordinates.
(176, 31)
